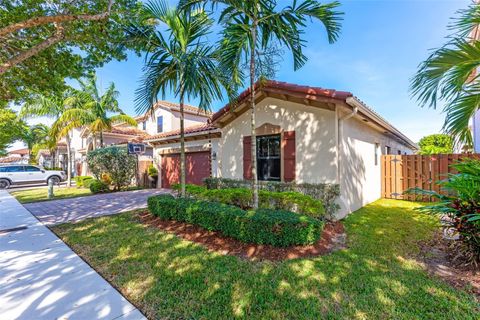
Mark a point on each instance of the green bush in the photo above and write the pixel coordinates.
(325, 192)
(291, 201)
(97, 186)
(80, 180)
(152, 171)
(114, 161)
(264, 226)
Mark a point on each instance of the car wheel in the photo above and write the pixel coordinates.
(4, 184)
(55, 180)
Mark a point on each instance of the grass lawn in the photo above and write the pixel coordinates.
(377, 277)
(41, 194)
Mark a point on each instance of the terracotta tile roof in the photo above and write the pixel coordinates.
(11, 159)
(286, 88)
(131, 131)
(23, 151)
(175, 106)
(203, 127)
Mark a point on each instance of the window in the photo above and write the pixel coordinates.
(268, 157)
(32, 169)
(15, 169)
(388, 150)
(159, 124)
(376, 153)
(144, 125)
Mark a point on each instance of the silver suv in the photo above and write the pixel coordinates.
(24, 174)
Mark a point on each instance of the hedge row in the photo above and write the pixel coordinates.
(263, 226)
(325, 192)
(81, 180)
(242, 197)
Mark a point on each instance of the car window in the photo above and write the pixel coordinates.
(14, 169)
(31, 169)
(3, 169)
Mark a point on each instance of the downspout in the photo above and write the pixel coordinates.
(340, 136)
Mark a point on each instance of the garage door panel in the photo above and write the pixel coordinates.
(197, 168)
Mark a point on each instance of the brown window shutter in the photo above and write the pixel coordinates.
(247, 158)
(288, 148)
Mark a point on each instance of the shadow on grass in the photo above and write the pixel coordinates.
(168, 277)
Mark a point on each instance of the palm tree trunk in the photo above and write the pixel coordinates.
(101, 139)
(252, 117)
(182, 144)
(69, 161)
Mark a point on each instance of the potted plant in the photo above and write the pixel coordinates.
(152, 173)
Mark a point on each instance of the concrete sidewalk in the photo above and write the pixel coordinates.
(42, 278)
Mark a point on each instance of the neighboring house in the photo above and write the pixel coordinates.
(304, 134)
(19, 156)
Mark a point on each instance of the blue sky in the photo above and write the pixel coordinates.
(381, 44)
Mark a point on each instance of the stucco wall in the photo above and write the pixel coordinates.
(315, 139)
(360, 174)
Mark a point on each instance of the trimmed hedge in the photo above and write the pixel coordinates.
(275, 227)
(242, 197)
(80, 180)
(325, 192)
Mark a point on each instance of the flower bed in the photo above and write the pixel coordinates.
(263, 226)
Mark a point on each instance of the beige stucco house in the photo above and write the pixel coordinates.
(304, 134)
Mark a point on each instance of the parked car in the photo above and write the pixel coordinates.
(25, 174)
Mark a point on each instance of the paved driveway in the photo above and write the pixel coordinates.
(76, 209)
(42, 278)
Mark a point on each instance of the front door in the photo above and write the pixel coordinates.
(268, 157)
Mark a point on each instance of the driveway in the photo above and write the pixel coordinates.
(42, 278)
(76, 209)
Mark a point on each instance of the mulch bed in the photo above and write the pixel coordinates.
(333, 238)
(438, 258)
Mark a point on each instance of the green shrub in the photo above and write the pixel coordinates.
(192, 190)
(291, 201)
(264, 226)
(97, 186)
(80, 180)
(87, 182)
(460, 208)
(152, 171)
(325, 192)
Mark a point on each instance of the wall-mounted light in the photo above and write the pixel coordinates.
(214, 155)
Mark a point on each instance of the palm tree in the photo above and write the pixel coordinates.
(34, 135)
(177, 59)
(54, 108)
(91, 109)
(251, 27)
(449, 75)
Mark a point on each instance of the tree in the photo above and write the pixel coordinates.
(115, 162)
(34, 134)
(44, 42)
(449, 75)
(91, 109)
(250, 28)
(435, 144)
(177, 59)
(11, 129)
(54, 108)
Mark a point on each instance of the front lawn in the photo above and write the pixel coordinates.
(41, 194)
(377, 277)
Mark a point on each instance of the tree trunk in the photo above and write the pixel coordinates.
(182, 144)
(69, 161)
(101, 139)
(252, 117)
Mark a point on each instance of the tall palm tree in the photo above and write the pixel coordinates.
(54, 108)
(92, 109)
(177, 59)
(449, 75)
(251, 27)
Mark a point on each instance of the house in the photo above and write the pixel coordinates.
(19, 156)
(303, 134)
